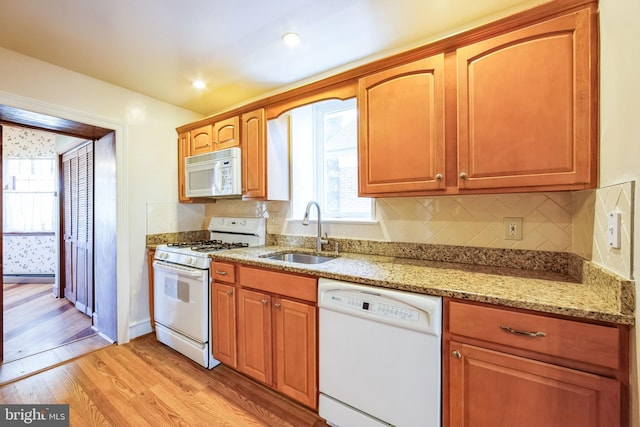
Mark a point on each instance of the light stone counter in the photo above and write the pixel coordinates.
(600, 295)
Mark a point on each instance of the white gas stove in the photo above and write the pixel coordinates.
(182, 303)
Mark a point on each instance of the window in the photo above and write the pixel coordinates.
(325, 161)
(29, 195)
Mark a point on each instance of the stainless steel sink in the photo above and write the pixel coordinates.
(299, 257)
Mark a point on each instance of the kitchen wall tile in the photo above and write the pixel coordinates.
(469, 220)
(172, 217)
(582, 222)
(614, 198)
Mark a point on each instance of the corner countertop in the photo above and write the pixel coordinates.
(609, 300)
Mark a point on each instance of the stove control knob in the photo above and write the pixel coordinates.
(243, 222)
(189, 261)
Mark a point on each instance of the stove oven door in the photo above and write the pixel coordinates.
(181, 300)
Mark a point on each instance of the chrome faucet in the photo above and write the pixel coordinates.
(305, 221)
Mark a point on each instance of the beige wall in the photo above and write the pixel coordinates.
(620, 126)
(146, 156)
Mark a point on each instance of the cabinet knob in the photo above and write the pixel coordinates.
(264, 301)
(456, 354)
(278, 305)
(438, 177)
(229, 293)
(463, 175)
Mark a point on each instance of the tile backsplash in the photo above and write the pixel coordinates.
(615, 198)
(173, 217)
(470, 220)
(573, 222)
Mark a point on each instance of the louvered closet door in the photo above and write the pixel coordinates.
(70, 192)
(78, 227)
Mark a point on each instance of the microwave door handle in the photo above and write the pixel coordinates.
(217, 178)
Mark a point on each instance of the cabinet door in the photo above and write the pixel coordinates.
(296, 350)
(226, 133)
(253, 154)
(223, 319)
(493, 389)
(201, 140)
(183, 151)
(526, 107)
(254, 335)
(401, 129)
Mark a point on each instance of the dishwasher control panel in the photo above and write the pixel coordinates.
(381, 309)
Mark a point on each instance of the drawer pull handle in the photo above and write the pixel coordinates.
(523, 333)
(221, 272)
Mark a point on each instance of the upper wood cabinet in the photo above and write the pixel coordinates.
(510, 106)
(526, 110)
(265, 156)
(200, 140)
(401, 143)
(216, 136)
(254, 151)
(226, 133)
(183, 151)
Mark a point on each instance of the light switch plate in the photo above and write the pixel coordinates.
(614, 221)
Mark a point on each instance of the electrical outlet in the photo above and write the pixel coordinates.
(512, 228)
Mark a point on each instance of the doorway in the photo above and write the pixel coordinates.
(105, 181)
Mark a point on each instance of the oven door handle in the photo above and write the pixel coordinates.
(183, 271)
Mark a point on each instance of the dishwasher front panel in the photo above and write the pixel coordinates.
(376, 368)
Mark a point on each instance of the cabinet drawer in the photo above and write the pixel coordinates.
(300, 287)
(582, 342)
(223, 272)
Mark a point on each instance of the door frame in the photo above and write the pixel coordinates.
(54, 118)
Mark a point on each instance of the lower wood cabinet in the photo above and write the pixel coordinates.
(273, 335)
(508, 368)
(223, 313)
(492, 389)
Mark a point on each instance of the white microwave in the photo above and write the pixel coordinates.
(215, 174)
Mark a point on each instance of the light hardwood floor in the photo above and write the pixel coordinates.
(145, 383)
(35, 320)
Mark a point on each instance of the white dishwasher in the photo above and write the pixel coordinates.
(380, 354)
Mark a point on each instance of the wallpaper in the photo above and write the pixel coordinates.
(23, 254)
(28, 254)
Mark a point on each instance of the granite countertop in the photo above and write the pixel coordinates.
(599, 295)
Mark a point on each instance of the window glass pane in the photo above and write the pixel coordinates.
(325, 160)
(29, 195)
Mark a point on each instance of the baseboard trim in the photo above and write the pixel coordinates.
(142, 327)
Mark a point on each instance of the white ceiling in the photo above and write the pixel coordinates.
(157, 47)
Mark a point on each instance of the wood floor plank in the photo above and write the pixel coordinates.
(35, 320)
(145, 383)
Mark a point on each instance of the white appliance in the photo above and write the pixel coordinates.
(181, 282)
(214, 174)
(379, 356)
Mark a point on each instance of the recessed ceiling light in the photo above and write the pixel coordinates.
(291, 39)
(199, 84)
